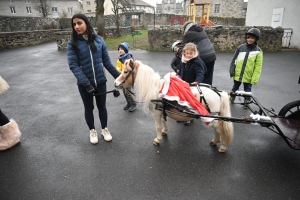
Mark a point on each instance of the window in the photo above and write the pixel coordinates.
(12, 9)
(28, 10)
(54, 9)
(88, 3)
(89, 10)
(70, 10)
(27, 1)
(217, 8)
(10, 1)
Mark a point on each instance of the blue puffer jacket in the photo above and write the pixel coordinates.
(88, 66)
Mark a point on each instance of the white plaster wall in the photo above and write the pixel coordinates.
(20, 7)
(259, 13)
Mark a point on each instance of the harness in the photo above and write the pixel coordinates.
(202, 98)
(130, 72)
(164, 105)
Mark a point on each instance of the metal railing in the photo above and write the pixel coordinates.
(287, 35)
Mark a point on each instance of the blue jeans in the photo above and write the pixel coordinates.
(247, 87)
(88, 102)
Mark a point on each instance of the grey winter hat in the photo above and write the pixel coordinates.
(188, 25)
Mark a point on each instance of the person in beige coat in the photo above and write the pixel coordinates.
(9, 129)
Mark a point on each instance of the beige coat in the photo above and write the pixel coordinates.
(3, 85)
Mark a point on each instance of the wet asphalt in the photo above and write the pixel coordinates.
(55, 159)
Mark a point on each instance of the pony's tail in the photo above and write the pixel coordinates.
(226, 112)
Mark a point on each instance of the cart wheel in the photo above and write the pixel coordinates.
(291, 110)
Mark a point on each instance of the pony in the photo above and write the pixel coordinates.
(147, 85)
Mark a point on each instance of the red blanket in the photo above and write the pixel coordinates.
(175, 89)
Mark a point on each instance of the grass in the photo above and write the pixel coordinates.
(135, 42)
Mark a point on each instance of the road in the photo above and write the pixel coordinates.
(56, 161)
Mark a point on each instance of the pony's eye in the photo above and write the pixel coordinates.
(125, 72)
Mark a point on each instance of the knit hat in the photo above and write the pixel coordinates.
(125, 46)
(187, 25)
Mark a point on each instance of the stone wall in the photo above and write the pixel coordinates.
(228, 21)
(11, 24)
(224, 39)
(9, 40)
(62, 37)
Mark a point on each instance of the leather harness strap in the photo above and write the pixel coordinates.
(202, 98)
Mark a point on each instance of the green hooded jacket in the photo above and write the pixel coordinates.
(246, 64)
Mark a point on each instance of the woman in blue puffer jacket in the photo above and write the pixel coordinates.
(87, 58)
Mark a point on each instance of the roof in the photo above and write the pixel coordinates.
(140, 3)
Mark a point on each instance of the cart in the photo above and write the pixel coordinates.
(286, 123)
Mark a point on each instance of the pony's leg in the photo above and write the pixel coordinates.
(217, 138)
(223, 134)
(157, 115)
(166, 127)
(225, 128)
(226, 135)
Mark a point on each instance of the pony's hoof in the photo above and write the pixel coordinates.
(156, 142)
(164, 133)
(213, 143)
(222, 149)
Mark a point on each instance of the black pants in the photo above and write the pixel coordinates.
(88, 102)
(208, 77)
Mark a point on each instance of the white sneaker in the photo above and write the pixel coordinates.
(106, 135)
(93, 136)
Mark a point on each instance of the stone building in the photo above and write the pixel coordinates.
(170, 7)
(221, 8)
(26, 8)
(89, 7)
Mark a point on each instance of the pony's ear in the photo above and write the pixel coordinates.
(131, 63)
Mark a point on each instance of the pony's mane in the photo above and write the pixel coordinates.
(146, 84)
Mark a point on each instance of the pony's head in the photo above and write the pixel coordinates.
(128, 75)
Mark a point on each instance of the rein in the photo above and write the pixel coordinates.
(116, 93)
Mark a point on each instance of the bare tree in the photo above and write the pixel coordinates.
(100, 18)
(124, 6)
(43, 6)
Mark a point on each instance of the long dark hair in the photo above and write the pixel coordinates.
(90, 33)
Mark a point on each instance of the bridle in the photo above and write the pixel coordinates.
(132, 73)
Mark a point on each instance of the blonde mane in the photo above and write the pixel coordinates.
(147, 84)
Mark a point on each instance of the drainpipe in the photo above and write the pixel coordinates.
(154, 19)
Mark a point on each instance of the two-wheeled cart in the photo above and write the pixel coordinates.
(286, 123)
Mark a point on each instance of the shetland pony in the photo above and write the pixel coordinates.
(147, 85)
